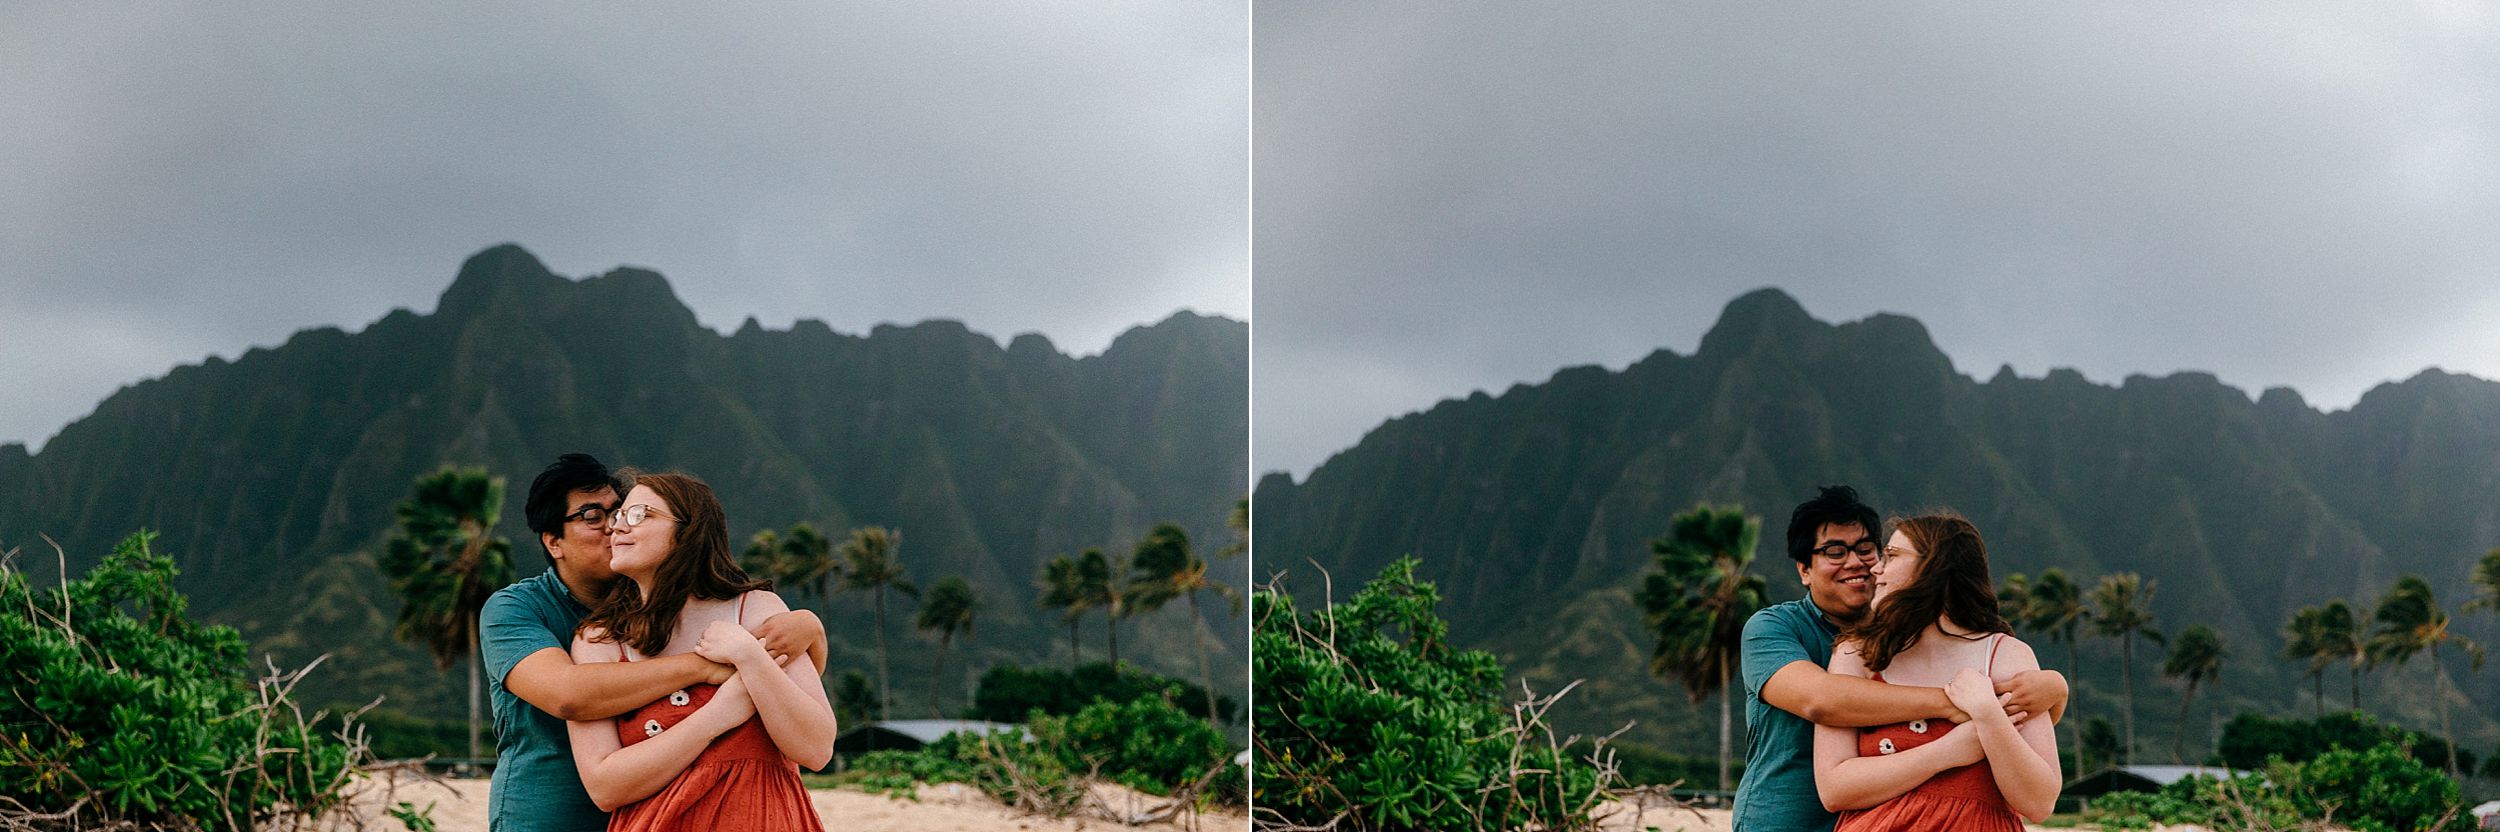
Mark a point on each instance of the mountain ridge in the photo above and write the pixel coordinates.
(1535, 505)
(270, 477)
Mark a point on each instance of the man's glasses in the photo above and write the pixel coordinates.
(593, 514)
(1837, 552)
(633, 515)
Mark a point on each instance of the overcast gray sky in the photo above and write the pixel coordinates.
(1460, 198)
(188, 179)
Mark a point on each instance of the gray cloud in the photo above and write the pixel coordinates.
(196, 179)
(1459, 199)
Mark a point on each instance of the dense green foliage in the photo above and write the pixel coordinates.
(1145, 744)
(118, 704)
(270, 469)
(1537, 499)
(2382, 788)
(2250, 739)
(1008, 693)
(1363, 710)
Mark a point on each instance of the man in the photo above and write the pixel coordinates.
(1787, 690)
(527, 629)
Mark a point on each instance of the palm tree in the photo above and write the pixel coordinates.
(808, 562)
(872, 564)
(2055, 608)
(1104, 586)
(948, 609)
(762, 558)
(2486, 583)
(2339, 636)
(2409, 622)
(2014, 600)
(1063, 589)
(445, 561)
(1237, 521)
(2122, 609)
(2305, 640)
(2196, 658)
(1697, 603)
(1164, 569)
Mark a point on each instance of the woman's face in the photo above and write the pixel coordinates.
(1895, 568)
(638, 549)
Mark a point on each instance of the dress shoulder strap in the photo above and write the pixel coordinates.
(1993, 644)
(742, 607)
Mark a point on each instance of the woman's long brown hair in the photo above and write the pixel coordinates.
(699, 565)
(1952, 585)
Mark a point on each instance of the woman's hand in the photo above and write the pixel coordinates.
(1975, 695)
(727, 643)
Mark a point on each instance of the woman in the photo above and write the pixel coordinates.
(1935, 623)
(708, 757)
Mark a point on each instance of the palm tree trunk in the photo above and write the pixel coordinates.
(2317, 688)
(1111, 621)
(1725, 736)
(2178, 738)
(2439, 689)
(885, 684)
(935, 673)
(2356, 685)
(2126, 692)
(1076, 649)
(1203, 672)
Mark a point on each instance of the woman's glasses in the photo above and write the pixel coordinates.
(633, 515)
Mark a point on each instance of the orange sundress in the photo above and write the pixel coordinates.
(1962, 799)
(741, 781)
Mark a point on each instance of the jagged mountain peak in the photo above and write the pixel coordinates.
(503, 273)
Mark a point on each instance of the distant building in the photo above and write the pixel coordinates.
(912, 734)
(2133, 778)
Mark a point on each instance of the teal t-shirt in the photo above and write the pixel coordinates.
(536, 788)
(1777, 792)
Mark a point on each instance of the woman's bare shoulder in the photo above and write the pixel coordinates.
(2013, 656)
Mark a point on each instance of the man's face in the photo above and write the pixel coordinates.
(582, 549)
(1844, 586)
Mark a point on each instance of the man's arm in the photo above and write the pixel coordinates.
(1843, 701)
(615, 775)
(549, 680)
(1845, 780)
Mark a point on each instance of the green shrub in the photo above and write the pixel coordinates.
(2250, 739)
(1147, 744)
(1008, 693)
(2383, 789)
(121, 706)
(1363, 710)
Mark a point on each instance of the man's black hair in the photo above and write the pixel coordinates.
(549, 493)
(1836, 504)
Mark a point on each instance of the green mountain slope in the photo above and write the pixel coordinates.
(272, 476)
(1533, 508)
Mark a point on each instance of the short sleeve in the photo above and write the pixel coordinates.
(1772, 641)
(509, 630)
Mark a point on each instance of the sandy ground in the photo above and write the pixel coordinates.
(460, 806)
